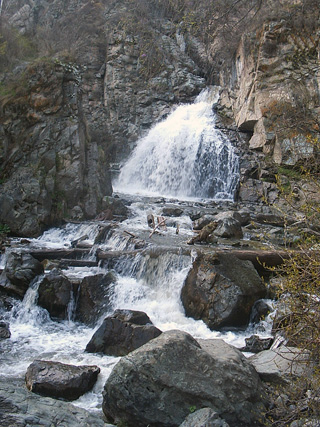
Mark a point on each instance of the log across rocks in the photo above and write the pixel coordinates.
(220, 289)
(158, 383)
(122, 332)
(58, 380)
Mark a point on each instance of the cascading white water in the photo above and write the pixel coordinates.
(183, 156)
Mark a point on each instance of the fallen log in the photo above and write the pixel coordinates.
(80, 239)
(63, 263)
(42, 254)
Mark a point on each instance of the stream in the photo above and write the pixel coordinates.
(172, 167)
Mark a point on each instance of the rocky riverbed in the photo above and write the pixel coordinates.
(57, 290)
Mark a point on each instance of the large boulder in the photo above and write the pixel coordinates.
(158, 383)
(280, 364)
(220, 289)
(21, 268)
(55, 294)
(93, 297)
(122, 332)
(61, 381)
(20, 408)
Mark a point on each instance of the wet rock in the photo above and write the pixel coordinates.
(220, 289)
(123, 332)
(255, 344)
(93, 297)
(4, 330)
(55, 294)
(158, 386)
(167, 211)
(204, 417)
(61, 381)
(20, 408)
(21, 269)
(259, 311)
(116, 207)
(278, 365)
(229, 225)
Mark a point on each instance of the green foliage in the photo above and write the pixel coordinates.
(14, 47)
(192, 409)
(4, 229)
(299, 295)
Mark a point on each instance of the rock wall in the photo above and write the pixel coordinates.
(70, 114)
(273, 91)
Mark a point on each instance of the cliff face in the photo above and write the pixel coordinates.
(65, 119)
(273, 91)
(104, 72)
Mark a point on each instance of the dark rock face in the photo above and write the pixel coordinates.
(221, 290)
(123, 332)
(255, 344)
(260, 309)
(54, 379)
(21, 269)
(20, 408)
(74, 118)
(93, 297)
(4, 330)
(163, 379)
(55, 292)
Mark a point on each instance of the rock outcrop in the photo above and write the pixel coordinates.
(220, 289)
(158, 386)
(93, 298)
(55, 294)
(122, 332)
(21, 268)
(54, 379)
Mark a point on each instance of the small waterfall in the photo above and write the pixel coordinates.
(183, 156)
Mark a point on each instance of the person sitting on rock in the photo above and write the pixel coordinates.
(204, 233)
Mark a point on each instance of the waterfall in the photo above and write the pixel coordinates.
(183, 156)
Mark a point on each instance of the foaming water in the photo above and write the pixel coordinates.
(183, 156)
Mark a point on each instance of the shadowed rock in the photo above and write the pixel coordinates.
(220, 289)
(21, 269)
(123, 332)
(55, 292)
(166, 377)
(54, 379)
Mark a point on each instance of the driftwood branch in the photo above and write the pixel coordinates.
(162, 222)
(130, 234)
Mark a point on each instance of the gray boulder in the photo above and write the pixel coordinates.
(158, 383)
(220, 289)
(21, 269)
(123, 332)
(204, 417)
(20, 408)
(61, 381)
(55, 293)
(93, 297)
(255, 344)
(278, 365)
(229, 225)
